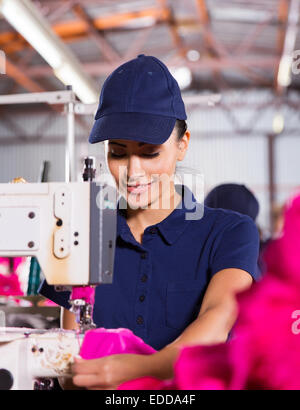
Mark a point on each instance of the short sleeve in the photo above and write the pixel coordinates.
(237, 246)
(60, 298)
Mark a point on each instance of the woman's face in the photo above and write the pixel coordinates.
(144, 172)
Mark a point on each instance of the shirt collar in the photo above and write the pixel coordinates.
(178, 220)
(173, 225)
(123, 229)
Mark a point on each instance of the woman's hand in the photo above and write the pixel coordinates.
(109, 372)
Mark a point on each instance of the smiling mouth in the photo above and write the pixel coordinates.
(138, 188)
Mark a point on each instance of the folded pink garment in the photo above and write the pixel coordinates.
(104, 342)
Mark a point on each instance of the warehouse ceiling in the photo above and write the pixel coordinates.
(225, 44)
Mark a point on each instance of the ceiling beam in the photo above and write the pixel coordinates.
(212, 47)
(248, 42)
(206, 63)
(21, 78)
(173, 28)
(74, 29)
(96, 35)
(283, 11)
(221, 51)
(136, 46)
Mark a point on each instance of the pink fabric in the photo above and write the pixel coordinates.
(87, 293)
(104, 342)
(148, 383)
(265, 350)
(16, 262)
(10, 285)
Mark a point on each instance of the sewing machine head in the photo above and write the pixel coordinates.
(69, 227)
(66, 226)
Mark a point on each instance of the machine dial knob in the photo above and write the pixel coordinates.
(6, 379)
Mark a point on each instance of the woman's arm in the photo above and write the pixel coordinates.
(216, 317)
(219, 309)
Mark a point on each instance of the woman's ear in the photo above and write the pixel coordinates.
(183, 146)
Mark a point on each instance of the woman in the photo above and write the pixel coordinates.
(174, 277)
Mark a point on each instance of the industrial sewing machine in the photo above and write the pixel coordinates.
(71, 230)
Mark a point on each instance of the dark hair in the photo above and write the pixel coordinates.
(181, 127)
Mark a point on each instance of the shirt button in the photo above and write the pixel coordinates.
(143, 255)
(152, 230)
(140, 320)
(142, 298)
(144, 278)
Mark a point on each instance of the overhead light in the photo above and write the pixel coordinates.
(29, 22)
(193, 55)
(278, 123)
(68, 74)
(284, 73)
(183, 76)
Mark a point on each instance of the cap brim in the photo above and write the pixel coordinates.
(148, 128)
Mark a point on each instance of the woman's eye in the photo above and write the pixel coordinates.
(152, 155)
(116, 155)
(122, 155)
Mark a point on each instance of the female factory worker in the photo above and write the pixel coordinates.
(174, 277)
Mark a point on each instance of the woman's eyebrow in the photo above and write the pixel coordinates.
(117, 143)
(123, 145)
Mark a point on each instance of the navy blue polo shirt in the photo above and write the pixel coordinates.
(158, 285)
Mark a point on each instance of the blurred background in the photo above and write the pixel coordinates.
(235, 61)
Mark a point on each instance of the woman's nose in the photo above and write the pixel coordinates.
(134, 167)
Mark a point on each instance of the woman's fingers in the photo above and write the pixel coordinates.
(93, 373)
(87, 366)
(87, 380)
(107, 372)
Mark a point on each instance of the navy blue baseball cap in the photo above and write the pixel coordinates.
(140, 101)
(235, 197)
